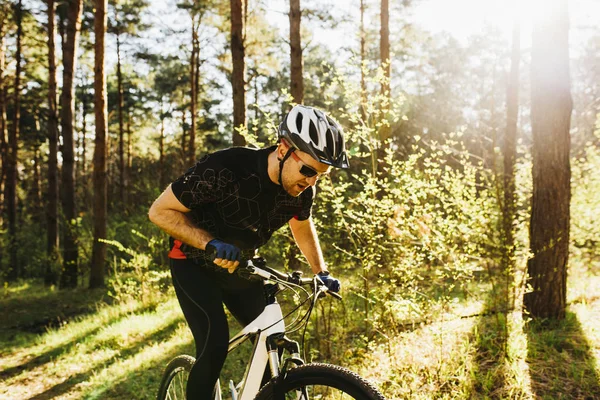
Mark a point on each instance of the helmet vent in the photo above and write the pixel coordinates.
(299, 118)
(331, 148)
(314, 135)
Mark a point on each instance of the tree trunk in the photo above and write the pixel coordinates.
(184, 142)
(363, 62)
(551, 107)
(297, 83)
(52, 247)
(14, 271)
(120, 111)
(194, 91)
(3, 125)
(384, 49)
(84, 113)
(70, 249)
(35, 194)
(237, 76)
(100, 182)
(161, 150)
(510, 152)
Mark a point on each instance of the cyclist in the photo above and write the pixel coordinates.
(228, 205)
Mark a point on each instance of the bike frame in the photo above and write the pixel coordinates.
(268, 324)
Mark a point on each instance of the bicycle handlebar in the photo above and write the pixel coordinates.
(268, 273)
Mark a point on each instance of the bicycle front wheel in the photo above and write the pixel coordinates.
(319, 381)
(175, 377)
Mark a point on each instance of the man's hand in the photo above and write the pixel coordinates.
(227, 255)
(332, 284)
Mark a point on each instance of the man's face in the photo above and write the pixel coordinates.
(296, 170)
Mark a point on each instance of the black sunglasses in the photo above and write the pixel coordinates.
(306, 170)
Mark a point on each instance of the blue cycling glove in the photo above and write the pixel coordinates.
(332, 284)
(224, 250)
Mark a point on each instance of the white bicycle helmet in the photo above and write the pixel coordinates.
(312, 131)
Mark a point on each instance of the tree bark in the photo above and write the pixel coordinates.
(194, 90)
(551, 106)
(510, 155)
(84, 113)
(52, 247)
(161, 150)
(70, 248)
(100, 182)
(384, 47)
(297, 83)
(120, 111)
(14, 271)
(363, 62)
(3, 120)
(237, 76)
(184, 142)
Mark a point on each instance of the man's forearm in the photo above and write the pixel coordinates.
(305, 235)
(178, 225)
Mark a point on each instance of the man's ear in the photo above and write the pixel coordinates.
(281, 150)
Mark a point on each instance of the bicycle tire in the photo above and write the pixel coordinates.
(174, 379)
(321, 378)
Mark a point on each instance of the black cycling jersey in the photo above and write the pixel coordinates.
(231, 196)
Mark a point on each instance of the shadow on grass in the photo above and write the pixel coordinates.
(560, 359)
(141, 383)
(63, 387)
(64, 348)
(34, 312)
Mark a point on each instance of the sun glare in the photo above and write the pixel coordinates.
(463, 18)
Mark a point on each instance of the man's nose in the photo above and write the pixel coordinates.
(312, 181)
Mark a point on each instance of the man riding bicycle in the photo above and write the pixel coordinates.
(228, 205)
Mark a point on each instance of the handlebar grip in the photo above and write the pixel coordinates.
(335, 294)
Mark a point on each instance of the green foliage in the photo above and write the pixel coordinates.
(135, 275)
(585, 205)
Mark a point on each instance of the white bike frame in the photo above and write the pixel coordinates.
(268, 323)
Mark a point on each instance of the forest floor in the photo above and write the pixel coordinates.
(81, 345)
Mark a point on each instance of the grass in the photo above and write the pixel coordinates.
(99, 349)
(497, 356)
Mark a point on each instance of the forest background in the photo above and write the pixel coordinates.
(474, 135)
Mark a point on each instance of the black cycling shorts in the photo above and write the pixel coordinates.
(202, 291)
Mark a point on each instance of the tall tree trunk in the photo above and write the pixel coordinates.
(84, 112)
(3, 123)
(551, 107)
(13, 157)
(237, 76)
(384, 49)
(510, 155)
(52, 247)
(70, 248)
(161, 150)
(363, 62)
(36, 195)
(128, 166)
(100, 182)
(120, 111)
(184, 142)
(297, 83)
(194, 90)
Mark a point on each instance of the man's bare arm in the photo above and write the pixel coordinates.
(305, 235)
(169, 214)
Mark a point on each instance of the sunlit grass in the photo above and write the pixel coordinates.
(471, 358)
(88, 347)
(434, 359)
(120, 351)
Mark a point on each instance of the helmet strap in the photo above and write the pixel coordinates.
(281, 161)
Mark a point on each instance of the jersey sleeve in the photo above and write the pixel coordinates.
(202, 184)
(307, 201)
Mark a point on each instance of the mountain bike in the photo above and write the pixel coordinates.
(291, 378)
